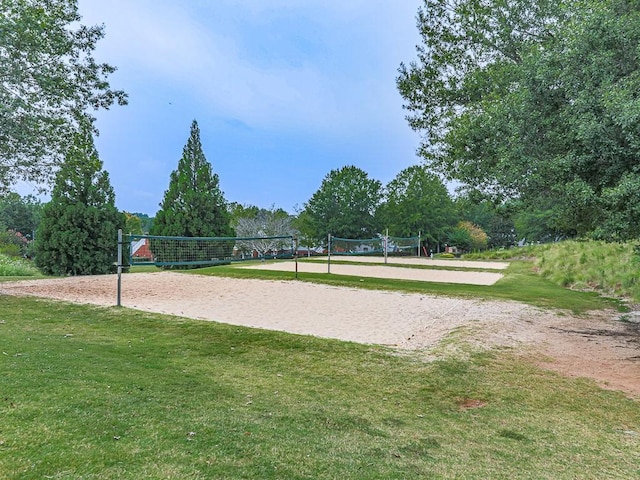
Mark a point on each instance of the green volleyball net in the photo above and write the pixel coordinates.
(390, 246)
(403, 246)
(164, 251)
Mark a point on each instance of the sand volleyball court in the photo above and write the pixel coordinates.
(407, 321)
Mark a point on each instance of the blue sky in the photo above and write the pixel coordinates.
(284, 91)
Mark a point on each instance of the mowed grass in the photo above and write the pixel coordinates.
(92, 393)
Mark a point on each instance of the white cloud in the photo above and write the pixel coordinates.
(197, 49)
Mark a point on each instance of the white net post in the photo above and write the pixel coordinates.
(119, 267)
(329, 253)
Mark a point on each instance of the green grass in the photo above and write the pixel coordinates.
(113, 393)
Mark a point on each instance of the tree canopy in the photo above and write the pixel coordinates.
(534, 103)
(194, 205)
(261, 225)
(77, 234)
(344, 206)
(417, 201)
(21, 214)
(49, 81)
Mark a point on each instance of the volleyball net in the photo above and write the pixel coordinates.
(387, 246)
(163, 251)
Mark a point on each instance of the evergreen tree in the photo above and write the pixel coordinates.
(194, 205)
(77, 234)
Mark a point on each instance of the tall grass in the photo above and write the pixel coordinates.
(608, 268)
(16, 267)
(611, 268)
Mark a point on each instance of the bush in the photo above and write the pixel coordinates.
(12, 243)
(16, 267)
(78, 231)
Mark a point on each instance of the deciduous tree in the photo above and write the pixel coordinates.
(261, 225)
(345, 205)
(533, 101)
(417, 200)
(49, 81)
(20, 214)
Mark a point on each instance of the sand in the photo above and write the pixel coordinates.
(421, 261)
(386, 271)
(595, 346)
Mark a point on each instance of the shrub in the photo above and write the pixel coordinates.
(15, 266)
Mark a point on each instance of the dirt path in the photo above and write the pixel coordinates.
(598, 346)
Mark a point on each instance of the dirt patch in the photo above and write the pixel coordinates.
(597, 346)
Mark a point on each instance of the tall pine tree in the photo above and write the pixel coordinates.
(78, 231)
(194, 205)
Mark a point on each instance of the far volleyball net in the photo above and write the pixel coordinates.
(379, 246)
(167, 251)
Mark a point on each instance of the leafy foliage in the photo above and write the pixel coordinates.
(78, 231)
(11, 266)
(21, 214)
(535, 102)
(469, 236)
(145, 220)
(417, 201)
(12, 243)
(345, 205)
(132, 224)
(48, 81)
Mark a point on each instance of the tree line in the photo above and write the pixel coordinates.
(532, 107)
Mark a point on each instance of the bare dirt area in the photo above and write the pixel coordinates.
(597, 346)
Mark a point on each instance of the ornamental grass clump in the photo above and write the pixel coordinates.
(610, 268)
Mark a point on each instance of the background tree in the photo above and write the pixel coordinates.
(194, 205)
(496, 220)
(77, 234)
(146, 221)
(48, 82)
(260, 223)
(416, 201)
(20, 214)
(345, 205)
(534, 102)
(303, 228)
(132, 224)
(468, 236)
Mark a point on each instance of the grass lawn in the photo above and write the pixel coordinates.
(97, 393)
